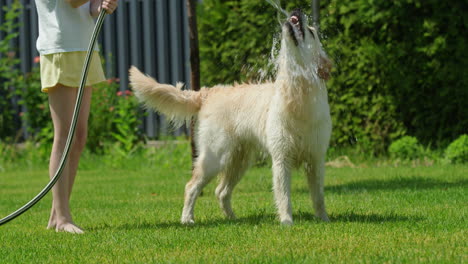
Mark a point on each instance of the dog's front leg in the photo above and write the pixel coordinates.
(315, 172)
(206, 167)
(282, 189)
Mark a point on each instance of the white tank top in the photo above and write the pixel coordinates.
(63, 28)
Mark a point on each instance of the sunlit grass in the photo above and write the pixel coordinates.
(131, 215)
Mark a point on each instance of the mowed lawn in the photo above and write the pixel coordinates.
(379, 215)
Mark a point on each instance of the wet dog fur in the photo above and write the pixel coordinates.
(289, 118)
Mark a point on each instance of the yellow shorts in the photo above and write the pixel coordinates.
(65, 68)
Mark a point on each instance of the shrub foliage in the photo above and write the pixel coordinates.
(457, 151)
(406, 148)
(9, 121)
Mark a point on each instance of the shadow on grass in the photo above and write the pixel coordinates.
(352, 217)
(256, 219)
(263, 218)
(415, 183)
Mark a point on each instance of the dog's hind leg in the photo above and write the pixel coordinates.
(234, 171)
(282, 190)
(315, 172)
(206, 167)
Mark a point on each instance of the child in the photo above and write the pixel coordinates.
(65, 29)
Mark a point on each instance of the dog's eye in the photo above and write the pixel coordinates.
(311, 32)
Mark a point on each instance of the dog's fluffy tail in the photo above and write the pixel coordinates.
(177, 104)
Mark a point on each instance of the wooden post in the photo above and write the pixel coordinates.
(194, 63)
(316, 13)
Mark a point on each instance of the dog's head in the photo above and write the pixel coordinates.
(297, 32)
(296, 29)
(301, 48)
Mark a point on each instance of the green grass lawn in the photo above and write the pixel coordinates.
(378, 215)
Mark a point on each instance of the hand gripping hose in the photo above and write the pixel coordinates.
(71, 133)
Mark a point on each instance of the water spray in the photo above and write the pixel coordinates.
(277, 5)
(71, 133)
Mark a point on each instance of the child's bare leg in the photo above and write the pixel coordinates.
(60, 212)
(62, 100)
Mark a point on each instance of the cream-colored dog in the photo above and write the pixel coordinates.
(289, 118)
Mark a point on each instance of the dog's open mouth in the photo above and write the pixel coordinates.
(295, 26)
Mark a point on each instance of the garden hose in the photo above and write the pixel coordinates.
(71, 133)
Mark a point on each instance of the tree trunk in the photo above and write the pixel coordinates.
(194, 63)
(316, 13)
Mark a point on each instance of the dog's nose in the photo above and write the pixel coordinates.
(294, 20)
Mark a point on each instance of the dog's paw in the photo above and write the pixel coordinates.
(187, 221)
(323, 217)
(230, 215)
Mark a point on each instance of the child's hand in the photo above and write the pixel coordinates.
(109, 6)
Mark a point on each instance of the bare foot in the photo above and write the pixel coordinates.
(51, 224)
(69, 228)
(52, 221)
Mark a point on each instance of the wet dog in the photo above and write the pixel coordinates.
(288, 118)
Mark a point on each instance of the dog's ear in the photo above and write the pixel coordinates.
(325, 64)
(324, 67)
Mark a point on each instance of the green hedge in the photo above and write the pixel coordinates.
(457, 151)
(400, 66)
